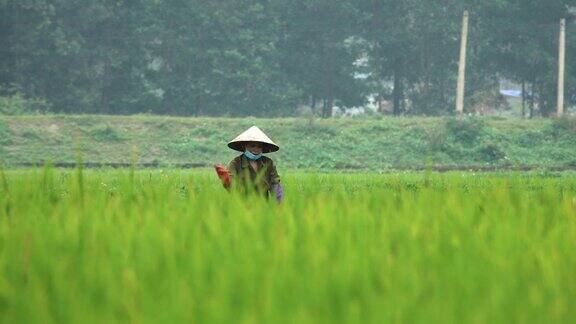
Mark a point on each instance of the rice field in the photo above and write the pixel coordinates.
(104, 246)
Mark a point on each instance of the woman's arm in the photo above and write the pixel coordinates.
(275, 182)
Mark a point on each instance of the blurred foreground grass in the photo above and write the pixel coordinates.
(147, 246)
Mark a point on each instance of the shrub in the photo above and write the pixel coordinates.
(486, 101)
(315, 129)
(306, 113)
(5, 135)
(490, 152)
(203, 131)
(16, 104)
(106, 134)
(561, 126)
(31, 135)
(436, 138)
(465, 130)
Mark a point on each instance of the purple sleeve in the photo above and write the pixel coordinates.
(279, 192)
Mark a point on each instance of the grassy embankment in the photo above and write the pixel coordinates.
(366, 144)
(173, 246)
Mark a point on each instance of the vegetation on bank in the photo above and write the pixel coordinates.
(173, 246)
(362, 144)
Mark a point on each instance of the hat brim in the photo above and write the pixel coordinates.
(266, 147)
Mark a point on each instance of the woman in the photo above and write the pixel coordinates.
(252, 171)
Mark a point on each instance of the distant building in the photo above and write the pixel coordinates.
(511, 93)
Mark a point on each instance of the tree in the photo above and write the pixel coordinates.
(263, 57)
(414, 45)
(82, 57)
(220, 58)
(319, 50)
(522, 41)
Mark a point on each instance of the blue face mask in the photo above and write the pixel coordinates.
(251, 156)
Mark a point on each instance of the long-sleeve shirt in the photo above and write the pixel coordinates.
(247, 179)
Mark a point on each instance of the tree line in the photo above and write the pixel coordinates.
(267, 57)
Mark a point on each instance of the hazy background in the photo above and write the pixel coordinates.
(279, 58)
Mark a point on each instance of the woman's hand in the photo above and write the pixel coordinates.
(279, 191)
(223, 174)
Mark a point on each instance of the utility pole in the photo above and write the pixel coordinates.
(462, 67)
(561, 67)
(523, 98)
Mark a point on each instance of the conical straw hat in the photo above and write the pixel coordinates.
(253, 134)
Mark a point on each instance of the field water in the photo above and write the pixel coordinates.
(172, 246)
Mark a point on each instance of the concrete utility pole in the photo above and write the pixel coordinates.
(561, 67)
(462, 67)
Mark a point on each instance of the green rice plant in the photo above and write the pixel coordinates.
(174, 246)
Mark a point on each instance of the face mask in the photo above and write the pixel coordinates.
(252, 156)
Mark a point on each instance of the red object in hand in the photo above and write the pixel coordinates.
(223, 174)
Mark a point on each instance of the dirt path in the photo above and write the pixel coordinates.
(435, 168)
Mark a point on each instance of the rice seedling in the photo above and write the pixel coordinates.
(173, 245)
